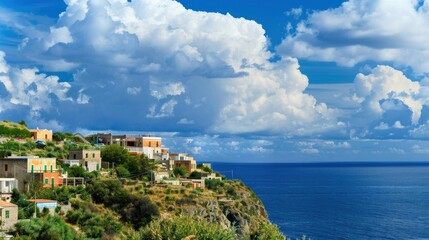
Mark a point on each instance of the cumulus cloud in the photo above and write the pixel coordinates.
(389, 86)
(28, 87)
(169, 57)
(166, 110)
(362, 30)
(160, 90)
(272, 100)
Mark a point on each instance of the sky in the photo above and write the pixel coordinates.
(225, 80)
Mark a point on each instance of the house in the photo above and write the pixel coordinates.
(160, 176)
(148, 145)
(6, 187)
(205, 176)
(28, 169)
(45, 203)
(194, 183)
(173, 182)
(183, 160)
(8, 214)
(89, 159)
(41, 134)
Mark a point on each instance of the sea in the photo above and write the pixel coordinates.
(341, 200)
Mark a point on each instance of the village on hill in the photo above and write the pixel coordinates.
(41, 158)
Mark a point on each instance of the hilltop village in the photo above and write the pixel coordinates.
(106, 186)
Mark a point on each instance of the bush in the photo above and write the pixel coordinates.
(179, 228)
(180, 171)
(51, 227)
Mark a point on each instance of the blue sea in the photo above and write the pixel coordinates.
(341, 200)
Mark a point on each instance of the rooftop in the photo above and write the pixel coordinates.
(41, 201)
(6, 204)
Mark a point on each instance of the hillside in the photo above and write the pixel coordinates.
(109, 209)
(15, 130)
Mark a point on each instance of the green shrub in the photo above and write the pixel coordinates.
(179, 228)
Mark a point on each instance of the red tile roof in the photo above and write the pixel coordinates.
(6, 204)
(41, 200)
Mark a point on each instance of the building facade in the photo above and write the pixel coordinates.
(8, 214)
(28, 169)
(89, 159)
(41, 134)
(6, 187)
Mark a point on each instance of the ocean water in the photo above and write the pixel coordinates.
(341, 200)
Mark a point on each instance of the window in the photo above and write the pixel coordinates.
(150, 144)
(32, 168)
(86, 155)
(46, 181)
(46, 168)
(74, 156)
(46, 136)
(51, 168)
(93, 155)
(7, 213)
(52, 182)
(98, 167)
(7, 183)
(157, 144)
(6, 167)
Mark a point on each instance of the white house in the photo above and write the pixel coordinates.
(6, 187)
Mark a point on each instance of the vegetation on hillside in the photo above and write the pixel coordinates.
(131, 207)
(15, 130)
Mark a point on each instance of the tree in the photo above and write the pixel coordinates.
(180, 171)
(76, 171)
(122, 172)
(114, 154)
(22, 122)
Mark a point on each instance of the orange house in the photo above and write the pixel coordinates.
(41, 134)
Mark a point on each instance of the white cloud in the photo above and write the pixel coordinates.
(272, 100)
(185, 121)
(382, 126)
(161, 49)
(166, 110)
(361, 30)
(161, 90)
(133, 90)
(28, 87)
(386, 83)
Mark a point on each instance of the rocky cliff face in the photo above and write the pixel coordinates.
(230, 204)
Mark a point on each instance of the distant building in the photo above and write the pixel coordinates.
(183, 160)
(8, 214)
(6, 187)
(27, 169)
(45, 203)
(41, 134)
(89, 159)
(160, 176)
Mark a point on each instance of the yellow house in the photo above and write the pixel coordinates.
(41, 134)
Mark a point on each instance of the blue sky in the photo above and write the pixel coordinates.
(278, 81)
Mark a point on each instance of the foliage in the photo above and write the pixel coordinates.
(92, 224)
(114, 154)
(122, 172)
(15, 130)
(180, 171)
(214, 184)
(185, 228)
(76, 171)
(137, 210)
(204, 168)
(267, 231)
(140, 166)
(49, 228)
